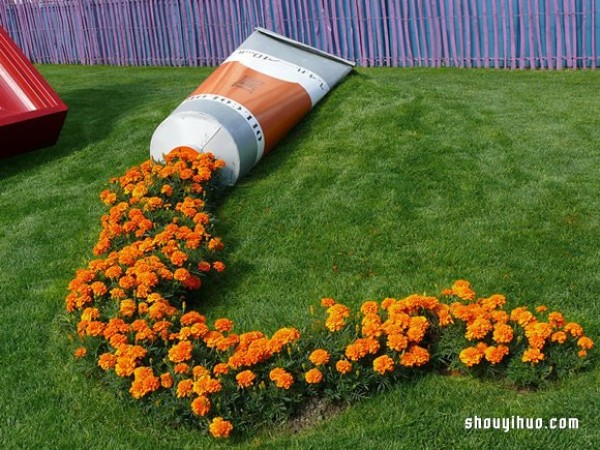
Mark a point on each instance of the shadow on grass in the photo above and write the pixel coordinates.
(93, 114)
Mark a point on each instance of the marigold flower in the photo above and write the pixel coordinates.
(245, 379)
(495, 354)
(556, 319)
(181, 352)
(219, 266)
(478, 329)
(470, 356)
(181, 368)
(397, 342)
(185, 388)
(215, 244)
(574, 329)
(80, 352)
(201, 406)
(532, 355)
(181, 274)
(387, 302)
(107, 361)
(128, 307)
(144, 382)
(125, 366)
(192, 317)
(166, 380)
(420, 355)
(319, 357)
(282, 378)
(313, 376)
(383, 364)
(220, 428)
(204, 266)
(559, 336)
(541, 309)
(462, 289)
(343, 366)
(503, 333)
(585, 343)
(223, 325)
(582, 353)
(221, 369)
(199, 372)
(207, 385)
(369, 307)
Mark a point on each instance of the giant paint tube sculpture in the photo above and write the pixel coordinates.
(250, 101)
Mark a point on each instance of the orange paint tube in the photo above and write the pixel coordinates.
(250, 102)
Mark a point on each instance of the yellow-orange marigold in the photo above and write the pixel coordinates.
(383, 364)
(313, 376)
(181, 352)
(470, 356)
(245, 379)
(343, 366)
(201, 406)
(319, 357)
(282, 378)
(532, 355)
(220, 428)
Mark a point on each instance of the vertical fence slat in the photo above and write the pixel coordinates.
(490, 33)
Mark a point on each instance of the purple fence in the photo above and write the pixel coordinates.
(463, 33)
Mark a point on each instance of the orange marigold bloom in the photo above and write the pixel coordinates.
(327, 302)
(128, 307)
(204, 266)
(191, 318)
(107, 361)
(245, 379)
(166, 380)
(185, 388)
(522, 316)
(532, 355)
(181, 274)
(178, 257)
(556, 319)
(503, 333)
(219, 266)
(559, 336)
(462, 289)
(536, 341)
(369, 307)
(383, 364)
(397, 342)
(343, 366)
(335, 317)
(574, 329)
(181, 352)
(420, 355)
(221, 369)
(220, 428)
(495, 354)
(199, 372)
(144, 382)
(319, 357)
(470, 356)
(313, 376)
(582, 353)
(201, 406)
(387, 302)
(585, 343)
(282, 378)
(80, 352)
(181, 368)
(125, 366)
(223, 325)
(541, 309)
(478, 329)
(215, 244)
(207, 385)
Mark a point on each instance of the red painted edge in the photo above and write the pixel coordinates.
(26, 127)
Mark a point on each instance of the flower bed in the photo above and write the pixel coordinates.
(129, 308)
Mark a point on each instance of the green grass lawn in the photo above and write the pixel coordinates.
(400, 181)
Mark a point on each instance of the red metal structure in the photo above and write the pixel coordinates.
(31, 113)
